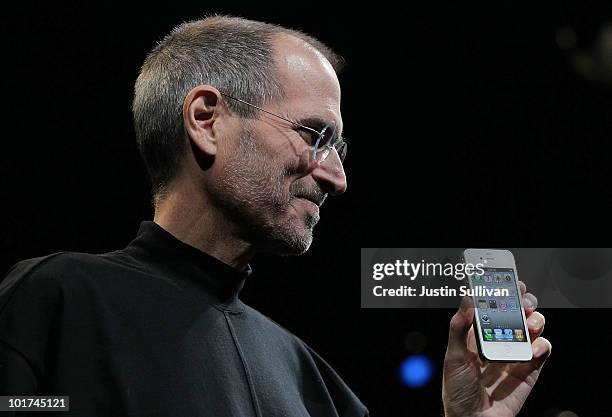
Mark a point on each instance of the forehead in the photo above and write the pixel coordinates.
(309, 81)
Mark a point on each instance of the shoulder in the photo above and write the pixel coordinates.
(46, 276)
(36, 272)
(53, 263)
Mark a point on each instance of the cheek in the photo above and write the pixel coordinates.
(264, 184)
(264, 176)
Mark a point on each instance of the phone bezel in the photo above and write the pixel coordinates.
(499, 351)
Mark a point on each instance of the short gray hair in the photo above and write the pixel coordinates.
(232, 54)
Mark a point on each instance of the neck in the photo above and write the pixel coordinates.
(199, 224)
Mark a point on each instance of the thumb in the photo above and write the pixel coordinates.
(459, 327)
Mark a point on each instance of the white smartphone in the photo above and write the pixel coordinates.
(500, 325)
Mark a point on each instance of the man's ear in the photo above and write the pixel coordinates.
(201, 109)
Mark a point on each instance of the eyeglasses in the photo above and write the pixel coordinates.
(321, 143)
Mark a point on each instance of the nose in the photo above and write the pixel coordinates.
(330, 175)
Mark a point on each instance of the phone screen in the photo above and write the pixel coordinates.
(501, 319)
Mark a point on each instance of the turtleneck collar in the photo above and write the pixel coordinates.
(161, 252)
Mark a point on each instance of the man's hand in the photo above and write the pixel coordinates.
(472, 387)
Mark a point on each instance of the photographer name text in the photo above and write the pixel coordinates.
(445, 291)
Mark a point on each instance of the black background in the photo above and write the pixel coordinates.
(467, 128)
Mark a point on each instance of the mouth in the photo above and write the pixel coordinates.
(311, 200)
(314, 199)
(312, 204)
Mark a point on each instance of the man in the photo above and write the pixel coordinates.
(240, 128)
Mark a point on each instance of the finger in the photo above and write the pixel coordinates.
(542, 348)
(535, 324)
(459, 328)
(471, 341)
(530, 303)
(522, 288)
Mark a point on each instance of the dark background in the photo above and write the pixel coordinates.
(468, 127)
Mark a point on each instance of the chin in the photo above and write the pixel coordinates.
(290, 242)
(297, 248)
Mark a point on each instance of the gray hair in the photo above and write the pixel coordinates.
(232, 54)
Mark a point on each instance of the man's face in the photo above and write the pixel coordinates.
(268, 186)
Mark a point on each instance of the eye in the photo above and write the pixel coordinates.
(329, 135)
(309, 136)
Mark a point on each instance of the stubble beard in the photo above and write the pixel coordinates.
(252, 195)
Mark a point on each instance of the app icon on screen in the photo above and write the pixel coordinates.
(508, 278)
(485, 318)
(498, 278)
(519, 334)
(498, 334)
(503, 306)
(482, 304)
(488, 334)
(508, 333)
(513, 305)
(487, 278)
(492, 304)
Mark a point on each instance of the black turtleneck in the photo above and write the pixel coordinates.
(155, 329)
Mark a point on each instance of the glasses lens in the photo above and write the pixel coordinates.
(323, 153)
(327, 136)
(341, 149)
(322, 145)
(328, 140)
